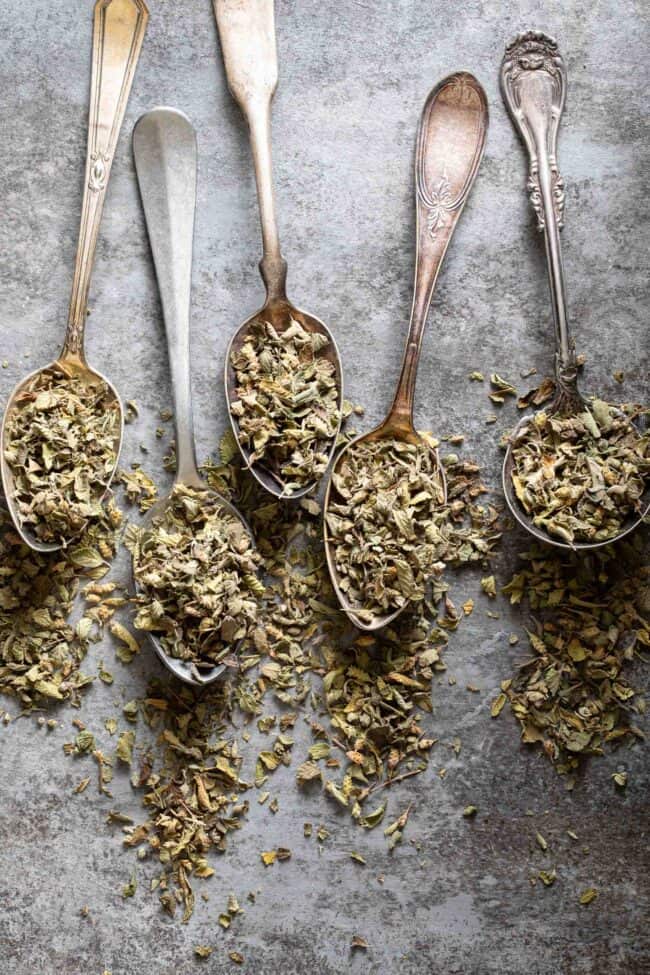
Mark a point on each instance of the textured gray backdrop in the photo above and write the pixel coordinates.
(354, 75)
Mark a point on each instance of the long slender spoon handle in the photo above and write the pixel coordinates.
(247, 37)
(450, 143)
(119, 28)
(164, 148)
(533, 85)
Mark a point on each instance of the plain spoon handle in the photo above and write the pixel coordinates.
(450, 143)
(164, 148)
(533, 85)
(119, 28)
(247, 36)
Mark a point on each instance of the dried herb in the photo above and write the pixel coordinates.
(61, 442)
(287, 401)
(589, 895)
(40, 651)
(500, 389)
(203, 951)
(548, 877)
(384, 523)
(580, 477)
(193, 799)
(195, 567)
(375, 691)
(358, 942)
(389, 529)
(593, 618)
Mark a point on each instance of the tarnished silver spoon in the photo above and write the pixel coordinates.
(119, 28)
(164, 148)
(533, 86)
(449, 149)
(247, 36)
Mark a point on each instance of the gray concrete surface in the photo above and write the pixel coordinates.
(354, 76)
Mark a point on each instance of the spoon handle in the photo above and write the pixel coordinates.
(450, 143)
(533, 85)
(119, 28)
(165, 153)
(247, 36)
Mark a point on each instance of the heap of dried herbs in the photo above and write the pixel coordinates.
(60, 444)
(385, 523)
(195, 567)
(377, 687)
(40, 651)
(592, 618)
(580, 477)
(194, 799)
(301, 655)
(287, 401)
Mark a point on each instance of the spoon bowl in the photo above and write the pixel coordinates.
(450, 143)
(247, 36)
(279, 313)
(632, 522)
(533, 85)
(187, 671)
(391, 430)
(72, 366)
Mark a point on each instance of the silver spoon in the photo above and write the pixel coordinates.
(533, 85)
(119, 28)
(247, 36)
(449, 148)
(164, 147)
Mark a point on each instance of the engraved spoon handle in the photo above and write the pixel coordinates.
(119, 28)
(247, 36)
(165, 153)
(450, 143)
(533, 85)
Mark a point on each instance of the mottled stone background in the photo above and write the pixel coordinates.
(354, 75)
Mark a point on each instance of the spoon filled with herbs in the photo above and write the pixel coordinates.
(385, 512)
(575, 473)
(283, 372)
(62, 428)
(194, 559)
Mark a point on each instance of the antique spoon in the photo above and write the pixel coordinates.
(533, 85)
(119, 28)
(247, 36)
(164, 148)
(450, 143)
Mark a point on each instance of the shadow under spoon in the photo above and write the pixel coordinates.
(118, 32)
(247, 36)
(449, 148)
(165, 152)
(533, 85)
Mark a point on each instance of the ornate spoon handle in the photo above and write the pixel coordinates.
(533, 85)
(119, 28)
